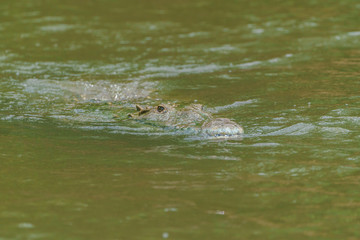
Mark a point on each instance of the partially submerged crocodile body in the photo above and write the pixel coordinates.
(191, 117)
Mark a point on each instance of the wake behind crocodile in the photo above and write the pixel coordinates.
(105, 105)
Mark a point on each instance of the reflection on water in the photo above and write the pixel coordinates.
(73, 166)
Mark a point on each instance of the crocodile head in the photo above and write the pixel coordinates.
(172, 115)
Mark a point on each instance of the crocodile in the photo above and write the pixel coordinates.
(192, 117)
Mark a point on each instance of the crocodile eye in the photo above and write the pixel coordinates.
(160, 109)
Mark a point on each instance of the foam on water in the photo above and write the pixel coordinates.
(230, 106)
(87, 90)
(57, 70)
(57, 28)
(296, 129)
(154, 70)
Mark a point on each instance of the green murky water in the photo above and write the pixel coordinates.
(72, 166)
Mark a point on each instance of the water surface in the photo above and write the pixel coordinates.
(73, 166)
